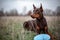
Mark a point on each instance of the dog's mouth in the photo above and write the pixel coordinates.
(35, 16)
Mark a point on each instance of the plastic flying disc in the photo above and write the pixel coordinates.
(42, 37)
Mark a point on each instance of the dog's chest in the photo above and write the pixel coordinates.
(41, 23)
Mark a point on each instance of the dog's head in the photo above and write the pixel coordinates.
(37, 12)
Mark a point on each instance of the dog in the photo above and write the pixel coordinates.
(40, 24)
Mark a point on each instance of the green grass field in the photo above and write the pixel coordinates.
(11, 28)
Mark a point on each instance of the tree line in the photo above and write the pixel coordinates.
(14, 12)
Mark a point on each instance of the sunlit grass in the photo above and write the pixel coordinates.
(11, 28)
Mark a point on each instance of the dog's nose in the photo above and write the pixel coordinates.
(32, 16)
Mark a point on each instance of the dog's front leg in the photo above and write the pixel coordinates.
(46, 31)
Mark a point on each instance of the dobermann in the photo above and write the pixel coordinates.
(41, 24)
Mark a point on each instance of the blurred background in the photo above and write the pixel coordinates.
(13, 13)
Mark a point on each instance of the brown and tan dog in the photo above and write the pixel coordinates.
(40, 26)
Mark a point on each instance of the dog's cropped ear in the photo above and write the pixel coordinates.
(34, 6)
(41, 9)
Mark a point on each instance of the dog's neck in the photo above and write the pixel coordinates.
(39, 19)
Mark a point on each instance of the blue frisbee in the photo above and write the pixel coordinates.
(42, 37)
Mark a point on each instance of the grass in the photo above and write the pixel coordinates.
(11, 28)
